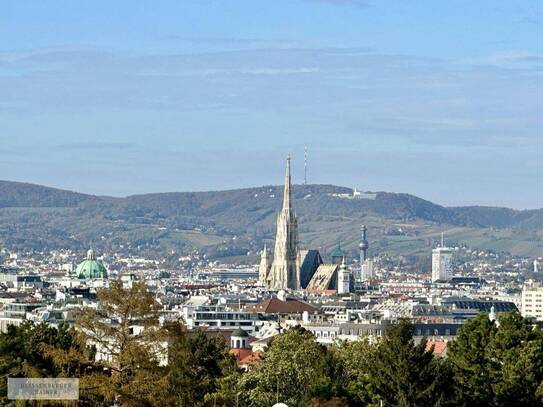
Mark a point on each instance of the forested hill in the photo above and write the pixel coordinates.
(33, 216)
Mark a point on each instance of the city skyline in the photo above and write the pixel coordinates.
(251, 203)
(442, 103)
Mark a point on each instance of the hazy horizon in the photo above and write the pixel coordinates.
(122, 98)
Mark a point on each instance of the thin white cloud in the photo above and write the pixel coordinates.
(506, 59)
(93, 145)
(356, 3)
(280, 71)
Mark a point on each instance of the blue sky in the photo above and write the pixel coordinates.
(441, 99)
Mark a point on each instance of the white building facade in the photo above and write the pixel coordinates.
(532, 301)
(442, 263)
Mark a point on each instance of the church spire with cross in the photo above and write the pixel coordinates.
(284, 271)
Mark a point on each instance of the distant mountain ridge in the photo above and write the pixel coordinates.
(19, 194)
(44, 218)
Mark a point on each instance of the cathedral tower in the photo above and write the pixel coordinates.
(265, 265)
(284, 271)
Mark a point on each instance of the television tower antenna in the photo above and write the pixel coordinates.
(305, 165)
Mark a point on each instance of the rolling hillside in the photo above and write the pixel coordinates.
(231, 223)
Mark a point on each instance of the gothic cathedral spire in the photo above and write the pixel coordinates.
(284, 271)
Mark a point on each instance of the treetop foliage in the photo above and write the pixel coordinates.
(488, 364)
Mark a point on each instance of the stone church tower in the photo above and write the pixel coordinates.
(284, 272)
(265, 266)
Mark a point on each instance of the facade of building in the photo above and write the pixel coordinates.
(15, 314)
(344, 279)
(220, 317)
(442, 264)
(21, 281)
(532, 301)
(367, 270)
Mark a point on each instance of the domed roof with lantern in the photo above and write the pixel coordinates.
(91, 268)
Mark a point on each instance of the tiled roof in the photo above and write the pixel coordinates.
(251, 359)
(310, 261)
(440, 347)
(323, 279)
(241, 354)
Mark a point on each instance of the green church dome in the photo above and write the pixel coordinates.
(91, 268)
(338, 252)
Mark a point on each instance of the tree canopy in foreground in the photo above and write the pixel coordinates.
(488, 364)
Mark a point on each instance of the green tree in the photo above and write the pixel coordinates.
(405, 374)
(516, 353)
(293, 370)
(498, 365)
(196, 364)
(469, 361)
(353, 364)
(26, 351)
(126, 332)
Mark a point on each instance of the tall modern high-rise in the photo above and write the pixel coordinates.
(442, 263)
(284, 272)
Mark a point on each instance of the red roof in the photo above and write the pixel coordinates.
(251, 359)
(440, 347)
(241, 354)
(245, 357)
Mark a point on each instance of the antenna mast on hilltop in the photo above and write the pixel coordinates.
(305, 165)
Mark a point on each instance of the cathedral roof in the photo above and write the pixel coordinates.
(324, 278)
(309, 262)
